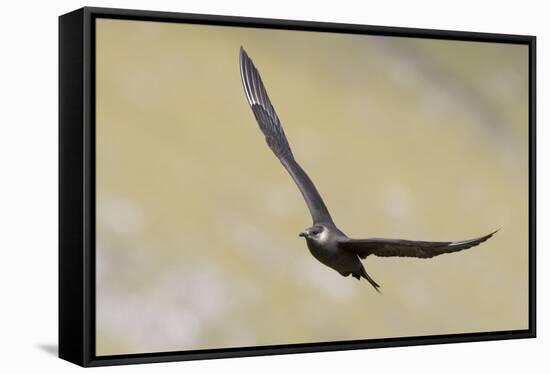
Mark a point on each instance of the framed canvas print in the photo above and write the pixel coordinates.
(235, 186)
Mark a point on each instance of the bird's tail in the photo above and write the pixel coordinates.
(364, 274)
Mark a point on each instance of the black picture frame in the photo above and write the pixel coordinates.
(77, 186)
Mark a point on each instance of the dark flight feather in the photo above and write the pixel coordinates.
(270, 125)
(407, 248)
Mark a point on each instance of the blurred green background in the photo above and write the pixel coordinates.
(197, 221)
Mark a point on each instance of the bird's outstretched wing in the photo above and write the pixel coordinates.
(407, 248)
(270, 125)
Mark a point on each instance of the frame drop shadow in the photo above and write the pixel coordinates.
(51, 349)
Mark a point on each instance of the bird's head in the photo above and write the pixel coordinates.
(314, 232)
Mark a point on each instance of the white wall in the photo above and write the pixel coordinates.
(28, 198)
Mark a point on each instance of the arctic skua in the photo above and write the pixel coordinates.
(326, 242)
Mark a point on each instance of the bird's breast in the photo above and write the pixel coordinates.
(322, 250)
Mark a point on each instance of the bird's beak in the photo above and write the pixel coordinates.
(303, 233)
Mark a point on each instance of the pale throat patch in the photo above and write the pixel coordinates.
(323, 235)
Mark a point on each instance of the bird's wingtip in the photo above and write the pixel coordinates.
(486, 237)
(493, 233)
(243, 56)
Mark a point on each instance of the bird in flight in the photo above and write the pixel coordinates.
(325, 241)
